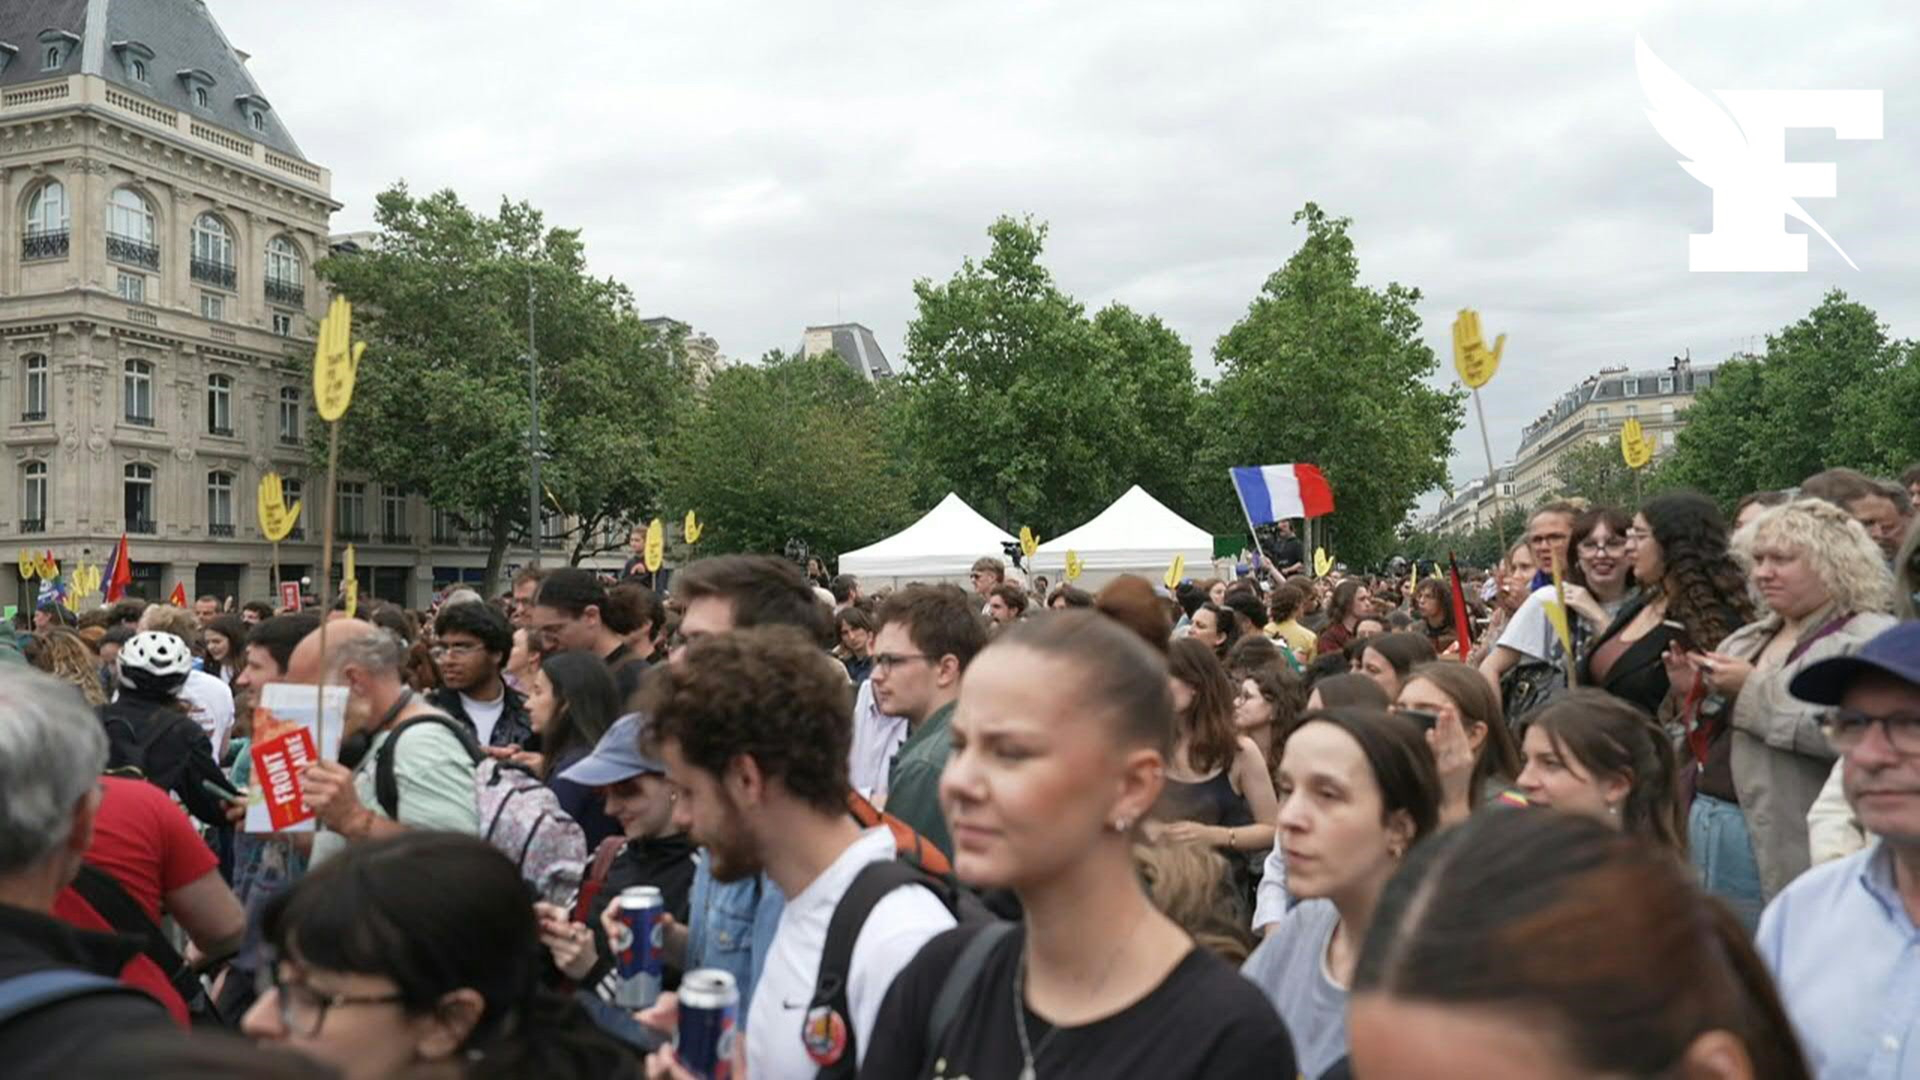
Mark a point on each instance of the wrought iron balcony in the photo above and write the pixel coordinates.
(208, 272)
(139, 421)
(133, 252)
(222, 430)
(290, 293)
(142, 526)
(51, 244)
(357, 534)
(396, 538)
(33, 416)
(298, 532)
(217, 529)
(33, 525)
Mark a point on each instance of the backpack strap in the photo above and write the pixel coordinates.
(23, 994)
(386, 787)
(596, 882)
(107, 897)
(828, 1033)
(958, 984)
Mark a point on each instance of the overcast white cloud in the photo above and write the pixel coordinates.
(755, 167)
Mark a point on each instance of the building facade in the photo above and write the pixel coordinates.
(1474, 504)
(158, 228)
(1595, 410)
(853, 343)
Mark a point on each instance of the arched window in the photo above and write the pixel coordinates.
(290, 415)
(286, 273)
(47, 209)
(258, 119)
(33, 497)
(130, 230)
(212, 261)
(220, 405)
(200, 97)
(139, 69)
(52, 59)
(139, 498)
(33, 388)
(219, 504)
(137, 389)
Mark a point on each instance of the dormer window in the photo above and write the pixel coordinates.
(139, 70)
(134, 57)
(52, 62)
(55, 45)
(7, 53)
(200, 97)
(258, 119)
(256, 108)
(200, 84)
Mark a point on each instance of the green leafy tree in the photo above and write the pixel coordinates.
(1029, 410)
(1326, 370)
(441, 406)
(1596, 471)
(791, 448)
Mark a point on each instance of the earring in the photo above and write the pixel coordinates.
(1121, 824)
(1614, 810)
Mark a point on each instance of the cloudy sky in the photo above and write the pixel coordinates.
(753, 167)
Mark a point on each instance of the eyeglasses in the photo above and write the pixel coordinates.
(302, 1009)
(888, 661)
(1847, 727)
(1638, 535)
(1595, 547)
(464, 648)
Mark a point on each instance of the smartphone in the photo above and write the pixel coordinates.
(1425, 719)
(1681, 639)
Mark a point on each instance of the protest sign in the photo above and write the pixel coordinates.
(290, 733)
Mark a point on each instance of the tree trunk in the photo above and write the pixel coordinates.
(496, 554)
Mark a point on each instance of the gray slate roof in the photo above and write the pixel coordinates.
(183, 37)
(858, 347)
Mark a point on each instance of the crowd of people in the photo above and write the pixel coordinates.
(1641, 800)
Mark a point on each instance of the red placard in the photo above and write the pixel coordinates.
(277, 764)
(290, 595)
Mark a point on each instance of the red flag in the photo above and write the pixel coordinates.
(178, 597)
(1461, 623)
(119, 572)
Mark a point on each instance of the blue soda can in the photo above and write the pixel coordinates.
(637, 945)
(709, 1020)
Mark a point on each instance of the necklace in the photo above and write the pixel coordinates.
(1027, 1050)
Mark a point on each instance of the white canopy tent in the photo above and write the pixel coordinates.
(941, 546)
(1136, 535)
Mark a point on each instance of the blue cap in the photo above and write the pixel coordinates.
(617, 757)
(1895, 652)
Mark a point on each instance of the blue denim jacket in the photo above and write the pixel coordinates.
(731, 926)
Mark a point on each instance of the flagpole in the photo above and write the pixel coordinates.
(326, 565)
(1493, 473)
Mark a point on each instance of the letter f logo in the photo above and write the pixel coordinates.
(1743, 158)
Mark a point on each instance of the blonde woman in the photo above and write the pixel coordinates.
(1826, 590)
(63, 654)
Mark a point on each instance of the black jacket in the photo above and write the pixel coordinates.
(514, 728)
(45, 1042)
(177, 758)
(666, 863)
(1640, 675)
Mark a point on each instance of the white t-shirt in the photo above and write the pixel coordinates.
(876, 738)
(1528, 632)
(485, 715)
(210, 703)
(894, 932)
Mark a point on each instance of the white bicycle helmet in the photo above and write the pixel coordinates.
(155, 663)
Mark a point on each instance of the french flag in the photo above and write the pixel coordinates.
(1271, 493)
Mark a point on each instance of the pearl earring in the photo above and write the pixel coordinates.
(1121, 824)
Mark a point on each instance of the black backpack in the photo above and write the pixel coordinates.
(128, 747)
(828, 1031)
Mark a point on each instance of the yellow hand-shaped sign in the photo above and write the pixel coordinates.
(28, 567)
(1471, 357)
(1029, 543)
(1557, 611)
(86, 580)
(277, 519)
(350, 584)
(336, 357)
(49, 569)
(1635, 447)
(656, 550)
(1176, 571)
(1322, 562)
(691, 529)
(1074, 566)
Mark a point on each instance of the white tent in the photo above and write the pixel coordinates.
(940, 546)
(1136, 535)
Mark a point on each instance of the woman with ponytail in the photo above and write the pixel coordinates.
(1491, 946)
(1593, 754)
(420, 950)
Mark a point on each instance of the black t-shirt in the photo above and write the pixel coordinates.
(1204, 1020)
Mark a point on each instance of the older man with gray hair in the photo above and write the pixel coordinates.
(432, 766)
(58, 988)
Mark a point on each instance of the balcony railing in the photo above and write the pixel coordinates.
(225, 431)
(290, 293)
(33, 416)
(139, 421)
(51, 244)
(142, 526)
(33, 525)
(208, 272)
(356, 534)
(216, 529)
(133, 252)
(298, 532)
(396, 538)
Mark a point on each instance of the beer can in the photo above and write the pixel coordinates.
(637, 945)
(709, 1022)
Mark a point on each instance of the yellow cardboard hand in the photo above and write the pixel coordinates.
(336, 357)
(1635, 448)
(1074, 566)
(1029, 543)
(28, 566)
(277, 519)
(656, 549)
(1557, 611)
(350, 584)
(1322, 562)
(1175, 571)
(691, 528)
(1471, 357)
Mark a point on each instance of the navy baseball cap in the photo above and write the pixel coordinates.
(1895, 652)
(617, 757)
